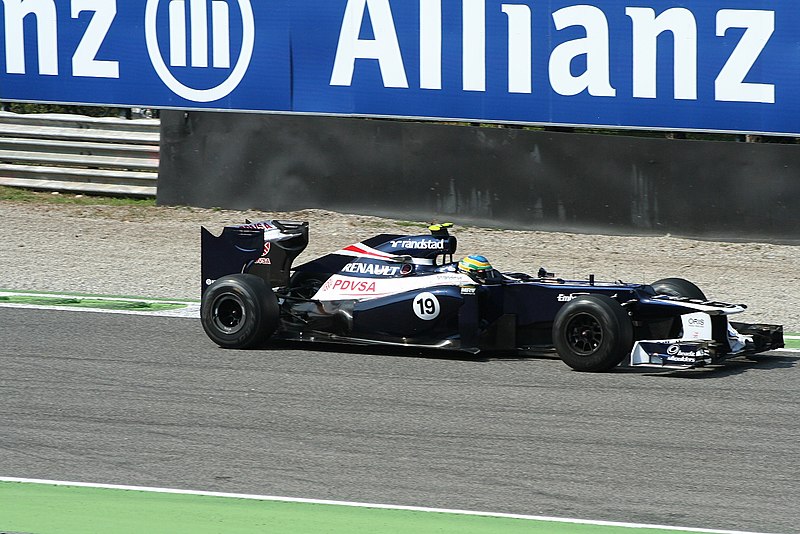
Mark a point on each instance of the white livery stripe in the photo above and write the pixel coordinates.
(711, 310)
(362, 251)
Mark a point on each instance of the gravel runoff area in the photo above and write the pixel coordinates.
(155, 252)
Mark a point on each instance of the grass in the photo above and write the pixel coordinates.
(17, 194)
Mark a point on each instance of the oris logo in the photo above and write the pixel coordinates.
(192, 18)
(696, 322)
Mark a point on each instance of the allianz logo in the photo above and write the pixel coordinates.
(197, 34)
(199, 21)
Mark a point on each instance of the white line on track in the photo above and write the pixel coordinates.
(368, 505)
(192, 311)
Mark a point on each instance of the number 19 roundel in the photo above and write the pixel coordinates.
(426, 306)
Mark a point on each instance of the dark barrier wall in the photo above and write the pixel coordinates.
(502, 177)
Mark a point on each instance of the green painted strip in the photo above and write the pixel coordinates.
(50, 509)
(80, 302)
(792, 340)
(84, 295)
(792, 343)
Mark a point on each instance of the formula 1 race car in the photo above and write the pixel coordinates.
(411, 291)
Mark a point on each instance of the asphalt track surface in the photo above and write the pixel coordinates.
(149, 401)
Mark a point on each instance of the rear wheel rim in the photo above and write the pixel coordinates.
(584, 334)
(228, 313)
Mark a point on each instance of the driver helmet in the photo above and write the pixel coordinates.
(475, 265)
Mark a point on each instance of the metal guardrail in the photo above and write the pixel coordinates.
(74, 153)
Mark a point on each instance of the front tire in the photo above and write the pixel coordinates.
(239, 311)
(678, 287)
(592, 333)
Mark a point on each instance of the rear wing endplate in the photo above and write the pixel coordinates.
(266, 249)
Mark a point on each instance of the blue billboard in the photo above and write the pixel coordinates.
(689, 65)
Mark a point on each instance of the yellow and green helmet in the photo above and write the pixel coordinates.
(474, 264)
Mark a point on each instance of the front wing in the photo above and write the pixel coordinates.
(749, 339)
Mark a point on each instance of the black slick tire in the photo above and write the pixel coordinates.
(239, 311)
(678, 287)
(592, 333)
(306, 284)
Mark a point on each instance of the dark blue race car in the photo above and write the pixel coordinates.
(413, 291)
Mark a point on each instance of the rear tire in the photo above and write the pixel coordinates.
(593, 333)
(678, 287)
(239, 311)
(306, 285)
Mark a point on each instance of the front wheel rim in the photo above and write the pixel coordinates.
(228, 313)
(584, 334)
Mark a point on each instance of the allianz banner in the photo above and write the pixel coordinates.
(689, 65)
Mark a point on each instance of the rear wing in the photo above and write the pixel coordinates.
(266, 249)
